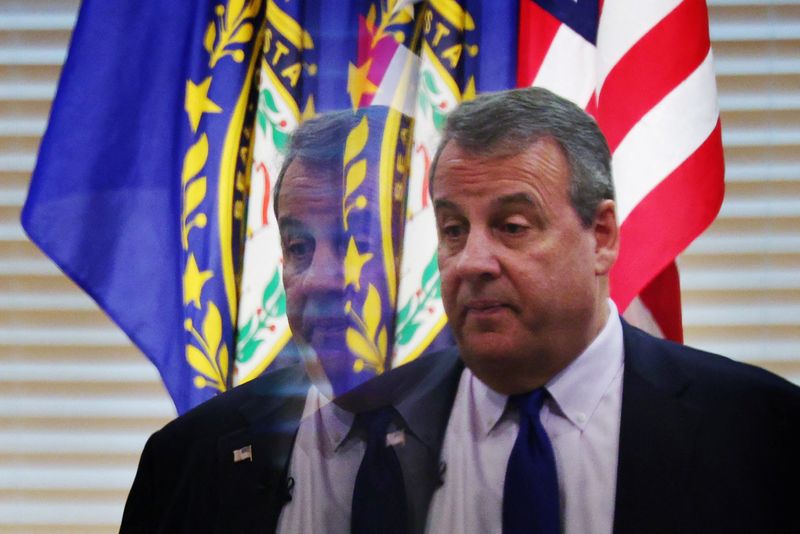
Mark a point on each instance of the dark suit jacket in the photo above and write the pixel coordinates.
(187, 479)
(707, 445)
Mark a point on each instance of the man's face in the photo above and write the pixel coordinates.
(309, 217)
(522, 281)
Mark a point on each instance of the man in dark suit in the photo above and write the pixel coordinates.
(222, 467)
(647, 436)
(643, 435)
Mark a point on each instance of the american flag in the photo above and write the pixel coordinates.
(644, 69)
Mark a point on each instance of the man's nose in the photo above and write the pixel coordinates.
(478, 258)
(325, 274)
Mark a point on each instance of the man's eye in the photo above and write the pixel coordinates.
(513, 228)
(298, 249)
(452, 231)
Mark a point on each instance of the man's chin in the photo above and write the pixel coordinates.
(500, 374)
(485, 344)
(495, 362)
(337, 364)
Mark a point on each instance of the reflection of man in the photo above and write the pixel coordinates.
(308, 205)
(566, 418)
(223, 466)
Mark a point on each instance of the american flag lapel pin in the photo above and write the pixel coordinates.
(396, 438)
(245, 453)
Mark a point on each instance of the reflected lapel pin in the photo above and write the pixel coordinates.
(396, 438)
(245, 453)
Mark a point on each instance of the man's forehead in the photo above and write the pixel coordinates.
(517, 199)
(327, 173)
(501, 175)
(311, 180)
(309, 205)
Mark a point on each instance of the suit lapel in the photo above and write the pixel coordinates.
(426, 405)
(253, 459)
(657, 436)
(426, 411)
(422, 392)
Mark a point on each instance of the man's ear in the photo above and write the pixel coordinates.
(606, 235)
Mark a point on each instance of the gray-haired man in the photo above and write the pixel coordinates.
(645, 435)
(230, 465)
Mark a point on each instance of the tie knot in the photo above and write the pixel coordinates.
(529, 403)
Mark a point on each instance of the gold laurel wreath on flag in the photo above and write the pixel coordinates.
(208, 355)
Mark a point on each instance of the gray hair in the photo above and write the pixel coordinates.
(319, 143)
(507, 122)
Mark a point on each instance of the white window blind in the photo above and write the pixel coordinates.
(741, 279)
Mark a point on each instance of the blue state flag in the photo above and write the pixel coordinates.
(139, 190)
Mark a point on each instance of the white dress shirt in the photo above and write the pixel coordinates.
(581, 418)
(322, 470)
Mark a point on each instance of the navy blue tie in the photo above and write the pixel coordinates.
(379, 496)
(530, 493)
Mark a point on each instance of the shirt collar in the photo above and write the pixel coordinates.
(576, 391)
(579, 387)
(334, 421)
(489, 405)
(421, 393)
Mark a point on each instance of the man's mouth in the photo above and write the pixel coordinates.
(484, 307)
(320, 328)
(338, 321)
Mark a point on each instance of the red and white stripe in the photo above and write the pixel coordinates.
(552, 55)
(652, 78)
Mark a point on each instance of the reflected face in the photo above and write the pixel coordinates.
(311, 239)
(519, 277)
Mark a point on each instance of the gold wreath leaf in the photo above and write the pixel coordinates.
(243, 34)
(199, 221)
(359, 346)
(212, 328)
(234, 10)
(403, 16)
(383, 343)
(356, 140)
(355, 176)
(371, 312)
(200, 363)
(195, 158)
(210, 37)
(195, 193)
(223, 363)
(253, 8)
(469, 22)
(370, 20)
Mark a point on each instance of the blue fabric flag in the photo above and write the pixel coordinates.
(137, 192)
